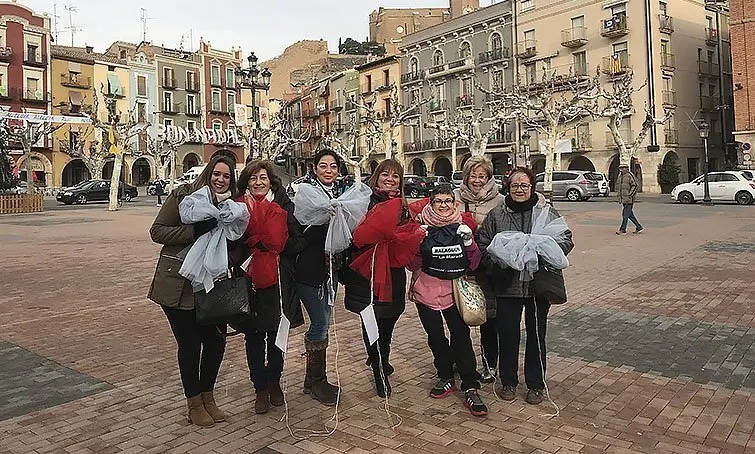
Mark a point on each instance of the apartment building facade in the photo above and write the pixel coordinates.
(742, 24)
(676, 47)
(443, 63)
(220, 95)
(25, 82)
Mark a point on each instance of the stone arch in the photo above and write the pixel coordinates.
(40, 165)
(581, 163)
(439, 57)
(190, 160)
(373, 166)
(141, 171)
(496, 41)
(418, 167)
(671, 157)
(442, 167)
(228, 153)
(501, 163)
(74, 172)
(463, 160)
(465, 46)
(538, 165)
(613, 172)
(107, 169)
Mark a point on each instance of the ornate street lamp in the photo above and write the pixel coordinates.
(254, 79)
(704, 130)
(526, 143)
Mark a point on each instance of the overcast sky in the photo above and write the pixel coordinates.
(266, 27)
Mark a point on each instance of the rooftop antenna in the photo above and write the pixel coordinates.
(144, 19)
(72, 28)
(55, 18)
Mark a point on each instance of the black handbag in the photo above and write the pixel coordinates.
(549, 284)
(227, 301)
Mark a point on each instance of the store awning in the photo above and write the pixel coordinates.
(114, 85)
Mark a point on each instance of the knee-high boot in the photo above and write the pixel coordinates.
(382, 385)
(320, 389)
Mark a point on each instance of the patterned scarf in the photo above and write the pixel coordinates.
(430, 217)
(487, 192)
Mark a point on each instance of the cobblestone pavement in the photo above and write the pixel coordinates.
(653, 352)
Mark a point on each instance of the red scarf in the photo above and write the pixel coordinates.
(268, 233)
(392, 245)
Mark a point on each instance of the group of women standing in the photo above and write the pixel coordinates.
(289, 263)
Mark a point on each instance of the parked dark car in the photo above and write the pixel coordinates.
(416, 186)
(94, 191)
(435, 181)
(152, 188)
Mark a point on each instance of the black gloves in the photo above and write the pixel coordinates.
(202, 227)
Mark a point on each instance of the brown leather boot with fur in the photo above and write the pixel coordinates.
(262, 402)
(216, 414)
(197, 413)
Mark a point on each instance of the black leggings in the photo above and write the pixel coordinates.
(200, 350)
(509, 332)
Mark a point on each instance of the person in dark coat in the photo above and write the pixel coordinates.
(387, 182)
(200, 348)
(259, 182)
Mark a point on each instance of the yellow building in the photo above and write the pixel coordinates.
(72, 75)
(377, 80)
(111, 80)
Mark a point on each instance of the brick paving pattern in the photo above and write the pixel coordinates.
(653, 352)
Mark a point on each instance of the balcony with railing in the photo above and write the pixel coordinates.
(193, 111)
(671, 137)
(73, 80)
(666, 24)
(437, 105)
(625, 134)
(169, 108)
(384, 115)
(581, 140)
(338, 127)
(707, 69)
(169, 82)
(350, 105)
(411, 147)
(336, 104)
(557, 76)
(574, 36)
(711, 36)
(465, 101)
(385, 86)
(435, 144)
(450, 68)
(615, 65)
(411, 77)
(6, 54)
(526, 48)
(668, 63)
(192, 86)
(366, 89)
(669, 98)
(494, 56)
(217, 109)
(501, 137)
(35, 96)
(37, 59)
(310, 113)
(614, 26)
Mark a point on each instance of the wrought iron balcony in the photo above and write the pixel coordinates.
(75, 81)
(711, 36)
(626, 135)
(437, 106)
(192, 86)
(35, 59)
(336, 104)
(666, 24)
(493, 56)
(669, 98)
(502, 137)
(707, 69)
(169, 82)
(667, 61)
(386, 86)
(410, 147)
(193, 111)
(671, 137)
(411, 77)
(614, 26)
(170, 108)
(582, 142)
(526, 48)
(465, 101)
(35, 96)
(574, 37)
(615, 65)
(6, 54)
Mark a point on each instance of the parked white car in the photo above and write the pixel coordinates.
(603, 185)
(730, 186)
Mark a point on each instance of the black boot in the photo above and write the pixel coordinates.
(307, 375)
(321, 390)
(382, 385)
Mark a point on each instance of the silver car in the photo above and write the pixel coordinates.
(572, 185)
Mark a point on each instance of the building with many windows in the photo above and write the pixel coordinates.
(377, 80)
(743, 58)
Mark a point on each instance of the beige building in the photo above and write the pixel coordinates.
(677, 56)
(376, 82)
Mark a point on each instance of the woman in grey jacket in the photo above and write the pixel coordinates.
(513, 294)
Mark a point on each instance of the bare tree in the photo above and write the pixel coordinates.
(550, 106)
(28, 134)
(74, 144)
(616, 105)
(119, 129)
(349, 149)
(398, 118)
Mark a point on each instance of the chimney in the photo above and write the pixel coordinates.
(90, 49)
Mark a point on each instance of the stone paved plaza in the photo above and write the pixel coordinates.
(653, 352)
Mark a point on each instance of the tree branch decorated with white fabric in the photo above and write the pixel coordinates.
(525, 251)
(207, 259)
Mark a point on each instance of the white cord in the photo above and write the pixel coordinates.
(542, 365)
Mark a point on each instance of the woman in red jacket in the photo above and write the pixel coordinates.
(273, 238)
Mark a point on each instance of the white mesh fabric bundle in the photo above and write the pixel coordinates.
(314, 207)
(207, 259)
(524, 251)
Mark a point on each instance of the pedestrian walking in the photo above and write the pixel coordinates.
(274, 239)
(478, 193)
(513, 292)
(200, 348)
(159, 191)
(626, 187)
(375, 275)
(448, 252)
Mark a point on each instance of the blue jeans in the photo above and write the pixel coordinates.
(627, 214)
(315, 300)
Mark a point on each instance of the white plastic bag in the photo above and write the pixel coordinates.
(314, 207)
(207, 259)
(523, 251)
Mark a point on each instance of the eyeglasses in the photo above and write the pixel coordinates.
(522, 186)
(447, 202)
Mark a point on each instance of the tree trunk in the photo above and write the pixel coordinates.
(114, 182)
(172, 169)
(624, 153)
(549, 165)
(453, 155)
(28, 166)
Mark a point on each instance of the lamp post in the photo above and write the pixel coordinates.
(704, 130)
(526, 143)
(253, 79)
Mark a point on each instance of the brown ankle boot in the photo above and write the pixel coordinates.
(262, 402)
(215, 413)
(197, 413)
(276, 394)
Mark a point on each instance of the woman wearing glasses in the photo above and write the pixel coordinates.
(513, 294)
